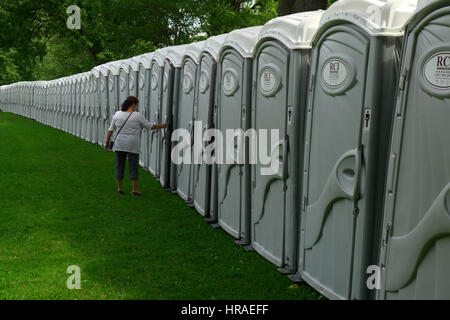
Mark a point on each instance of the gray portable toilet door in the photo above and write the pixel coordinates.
(229, 116)
(80, 107)
(77, 108)
(142, 94)
(416, 228)
(113, 96)
(123, 86)
(203, 115)
(155, 117)
(104, 117)
(95, 111)
(165, 134)
(333, 158)
(177, 85)
(83, 109)
(89, 109)
(185, 121)
(270, 112)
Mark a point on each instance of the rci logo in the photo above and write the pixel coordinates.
(443, 61)
(334, 66)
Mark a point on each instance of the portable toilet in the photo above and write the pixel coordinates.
(88, 107)
(84, 79)
(415, 247)
(70, 99)
(101, 77)
(25, 99)
(234, 96)
(128, 79)
(155, 103)
(169, 106)
(203, 120)
(62, 108)
(84, 99)
(133, 81)
(58, 104)
(113, 88)
(75, 109)
(280, 71)
(124, 81)
(143, 91)
(350, 108)
(62, 96)
(92, 125)
(49, 103)
(62, 103)
(52, 106)
(66, 104)
(41, 100)
(184, 116)
(78, 105)
(95, 108)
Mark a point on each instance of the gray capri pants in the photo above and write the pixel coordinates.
(133, 163)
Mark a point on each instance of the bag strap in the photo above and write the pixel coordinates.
(124, 124)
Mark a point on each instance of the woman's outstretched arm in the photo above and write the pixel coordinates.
(149, 125)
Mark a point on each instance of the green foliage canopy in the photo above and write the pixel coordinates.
(35, 43)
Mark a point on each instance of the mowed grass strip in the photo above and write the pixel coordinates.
(58, 208)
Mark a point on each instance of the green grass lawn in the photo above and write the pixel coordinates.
(58, 208)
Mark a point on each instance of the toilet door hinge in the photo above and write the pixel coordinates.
(311, 83)
(403, 79)
(305, 199)
(387, 233)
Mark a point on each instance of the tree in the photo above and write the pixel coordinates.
(292, 6)
(35, 43)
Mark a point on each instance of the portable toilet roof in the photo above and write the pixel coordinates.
(71, 79)
(376, 17)
(423, 8)
(160, 55)
(175, 54)
(101, 70)
(77, 77)
(214, 44)
(295, 31)
(114, 67)
(130, 64)
(146, 59)
(194, 51)
(243, 41)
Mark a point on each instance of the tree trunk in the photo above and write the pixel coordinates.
(293, 6)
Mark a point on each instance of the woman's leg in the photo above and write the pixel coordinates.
(133, 163)
(120, 168)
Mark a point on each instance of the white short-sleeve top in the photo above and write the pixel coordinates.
(129, 139)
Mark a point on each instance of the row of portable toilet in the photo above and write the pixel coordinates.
(359, 95)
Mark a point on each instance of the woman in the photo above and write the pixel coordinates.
(129, 124)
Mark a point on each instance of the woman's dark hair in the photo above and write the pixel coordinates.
(129, 102)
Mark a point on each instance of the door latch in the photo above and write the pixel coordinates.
(289, 115)
(367, 118)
